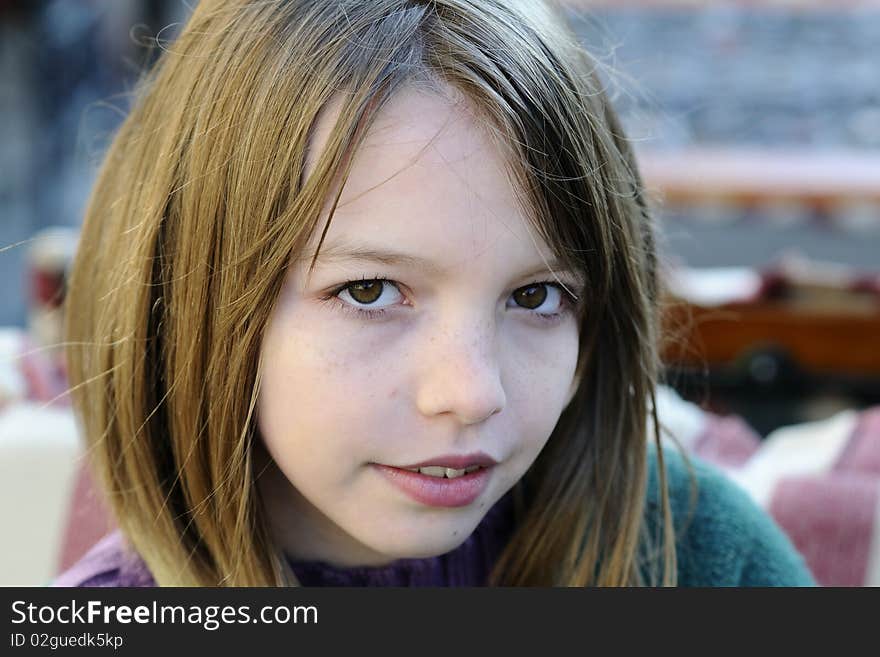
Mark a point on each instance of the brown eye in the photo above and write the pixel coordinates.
(531, 297)
(366, 291)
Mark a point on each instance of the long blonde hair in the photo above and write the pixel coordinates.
(201, 202)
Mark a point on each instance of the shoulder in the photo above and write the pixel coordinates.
(723, 537)
(110, 562)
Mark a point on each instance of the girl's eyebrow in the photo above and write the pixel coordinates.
(366, 253)
(389, 257)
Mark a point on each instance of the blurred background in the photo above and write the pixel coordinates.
(757, 127)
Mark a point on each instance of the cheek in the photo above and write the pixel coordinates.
(541, 368)
(324, 393)
(539, 375)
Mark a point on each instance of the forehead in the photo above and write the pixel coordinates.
(428, 179)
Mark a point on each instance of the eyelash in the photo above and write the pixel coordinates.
(568, 304)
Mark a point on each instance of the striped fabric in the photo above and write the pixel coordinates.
(819, 480)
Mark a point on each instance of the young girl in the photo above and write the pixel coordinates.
(366, 294)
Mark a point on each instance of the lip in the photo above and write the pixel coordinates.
(438, 491)
(456, 461)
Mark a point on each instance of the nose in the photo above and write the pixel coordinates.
(461, 375)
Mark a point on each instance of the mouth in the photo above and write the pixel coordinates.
(454, 462)
(444, 472)
(439, 486)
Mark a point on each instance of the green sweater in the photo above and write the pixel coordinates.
(729, 540)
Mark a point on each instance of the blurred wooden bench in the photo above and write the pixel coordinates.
(830, 331)
(837, 343)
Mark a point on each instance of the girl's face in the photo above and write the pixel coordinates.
(462, 356)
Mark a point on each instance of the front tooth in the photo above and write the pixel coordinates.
(452, 474)
(434, 470)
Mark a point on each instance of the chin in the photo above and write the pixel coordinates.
(427, 547)
(428, 551)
